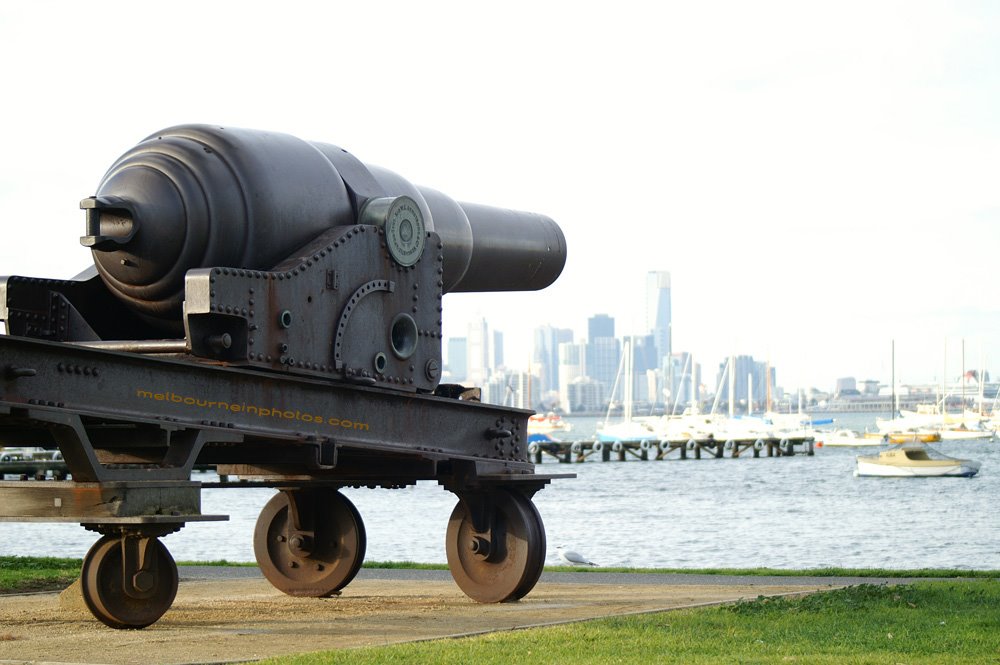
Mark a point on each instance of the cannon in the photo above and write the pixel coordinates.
(270, 307)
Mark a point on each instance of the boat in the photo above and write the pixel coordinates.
(629, 430)
(950, 427)
(548, 423)
(845, 438)
(914, 460)
(903, 436)
(626, 432)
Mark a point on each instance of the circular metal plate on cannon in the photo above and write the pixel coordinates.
(403, 222)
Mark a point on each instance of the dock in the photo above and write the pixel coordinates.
(36, 469)
(565, 452)
(653, 450)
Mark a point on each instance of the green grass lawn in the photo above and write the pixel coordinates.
(927, 622)
(21, 573)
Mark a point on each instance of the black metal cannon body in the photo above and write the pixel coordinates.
(272, 307)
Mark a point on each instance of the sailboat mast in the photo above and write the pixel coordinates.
(527, 405)
(684, 374)
(732, 386)
(767, 384)
(618, 379)
(628, 380)
(964, 379)
(892, 406)
(718, 388)
(982, 373)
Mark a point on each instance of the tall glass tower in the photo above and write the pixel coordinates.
(603, 351)
(658, 313)
(546, 355)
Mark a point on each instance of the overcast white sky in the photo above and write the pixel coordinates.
(819, 178)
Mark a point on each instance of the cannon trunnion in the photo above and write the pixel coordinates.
(273, 308)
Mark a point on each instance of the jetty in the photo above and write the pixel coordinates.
(36, 469)
(539, 451)
(657, 450)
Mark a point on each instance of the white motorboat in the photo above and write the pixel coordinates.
(914, 460)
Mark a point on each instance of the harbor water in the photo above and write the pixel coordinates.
(781, 512)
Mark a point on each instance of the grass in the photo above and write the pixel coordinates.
(22, 574)
(922, 623)
(747, 572)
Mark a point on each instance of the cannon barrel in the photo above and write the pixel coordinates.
(196, 196)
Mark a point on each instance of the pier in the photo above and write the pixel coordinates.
(565, 452)
(37, 469)
(652, 450)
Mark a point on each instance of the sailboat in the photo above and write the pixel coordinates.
(629, 430)
(935, 420)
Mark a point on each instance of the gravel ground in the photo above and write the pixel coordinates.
(233, 614)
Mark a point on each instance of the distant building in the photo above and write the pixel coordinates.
(658, 317)
(545, 359)
(748, 376)
(602, 360)
(644, 361)
(516, 389)
(584, 394)
(497, 350)
(846, 386)
(478, 349)
(498, 390)
(458, 359)
(686, 377)
(600, 325)
(571, 368)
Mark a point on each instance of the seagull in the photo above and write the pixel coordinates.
(573, 558)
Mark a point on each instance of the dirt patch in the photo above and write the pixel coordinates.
(233, 620)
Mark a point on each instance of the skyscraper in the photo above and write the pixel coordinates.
(478, 350)
(686, 377)
(600, 325)
(603, 357)
(546, 355)
(644, 360)
(571, 368)
(603, 351)
(497, 349)
(658, 314)
(458, 359)
(751, 380)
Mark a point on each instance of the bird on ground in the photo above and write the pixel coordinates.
(572, 558)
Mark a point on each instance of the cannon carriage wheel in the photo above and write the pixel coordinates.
(495, 545)
(309, 542)
(128, 580)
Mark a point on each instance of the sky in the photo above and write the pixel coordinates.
(822, 180)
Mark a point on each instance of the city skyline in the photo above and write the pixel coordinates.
(953, 357)
(819, 179)
(740, 378)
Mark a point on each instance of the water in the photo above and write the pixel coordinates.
(800, 512)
